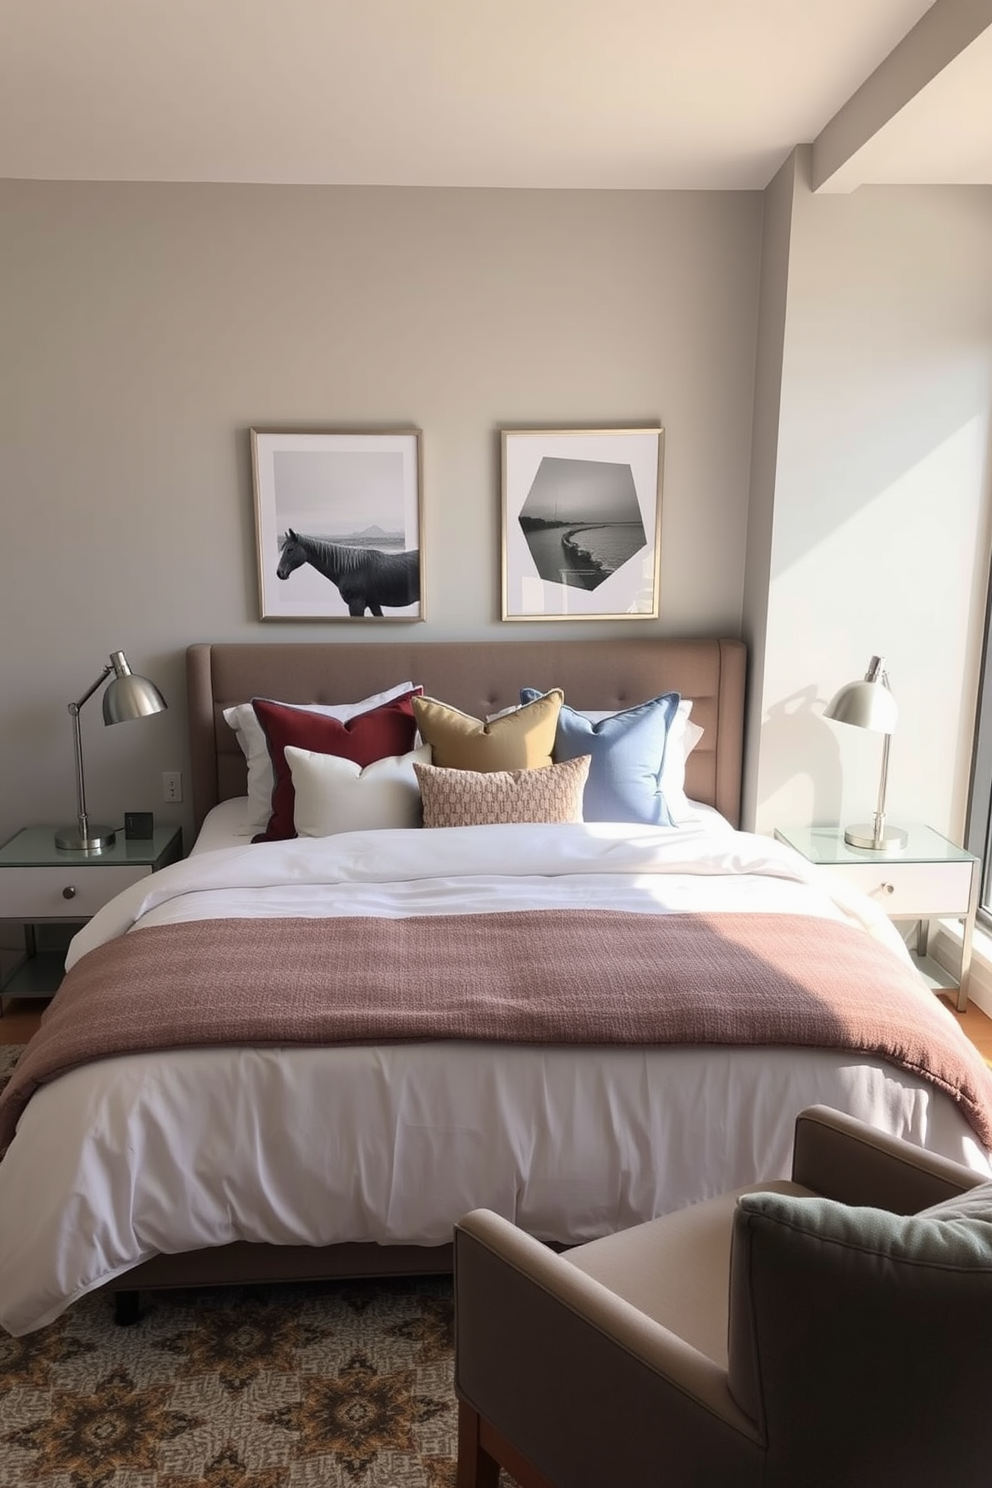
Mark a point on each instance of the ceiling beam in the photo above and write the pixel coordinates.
(941, 36)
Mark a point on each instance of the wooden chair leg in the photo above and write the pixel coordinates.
(484, 1452)
(476, 1469)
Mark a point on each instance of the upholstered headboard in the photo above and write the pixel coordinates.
(479, 678)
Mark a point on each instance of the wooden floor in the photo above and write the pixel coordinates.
(20, 1019)
(977, 1026)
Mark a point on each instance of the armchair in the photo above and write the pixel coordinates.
(830, 1330)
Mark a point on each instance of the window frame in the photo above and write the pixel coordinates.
(978, 828)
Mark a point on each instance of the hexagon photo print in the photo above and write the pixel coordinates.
(581, 518)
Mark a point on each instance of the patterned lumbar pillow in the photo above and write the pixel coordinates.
(473, 798)
(523, 740)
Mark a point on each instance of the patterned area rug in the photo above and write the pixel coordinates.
(346, 1383)
(268, 1387)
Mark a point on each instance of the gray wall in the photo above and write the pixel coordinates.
(145, 328)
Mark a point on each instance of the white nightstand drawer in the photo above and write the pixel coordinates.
(910, 890)
(69, 893)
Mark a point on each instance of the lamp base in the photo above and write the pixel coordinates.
(893, 839)
(95, 840)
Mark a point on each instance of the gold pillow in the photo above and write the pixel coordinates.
(474, 798)
(521, 740)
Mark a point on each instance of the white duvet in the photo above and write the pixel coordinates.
(142, 1154)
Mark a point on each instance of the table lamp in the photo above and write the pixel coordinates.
(869, 704)
(127, 696)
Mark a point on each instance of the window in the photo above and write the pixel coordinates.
(978, 837)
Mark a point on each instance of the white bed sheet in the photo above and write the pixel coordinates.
(148, 1153)
(226, 824)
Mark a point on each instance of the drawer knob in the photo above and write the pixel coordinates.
(69, 892)
(888, 888)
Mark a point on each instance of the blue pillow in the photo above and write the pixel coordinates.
(627, 754)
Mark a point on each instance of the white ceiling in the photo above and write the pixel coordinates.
(642, 94)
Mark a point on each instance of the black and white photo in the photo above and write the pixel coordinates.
(581, 523)
(338, 524)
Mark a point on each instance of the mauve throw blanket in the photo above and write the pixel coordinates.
(541, 976)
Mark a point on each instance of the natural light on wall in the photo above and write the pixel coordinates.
(842, 590)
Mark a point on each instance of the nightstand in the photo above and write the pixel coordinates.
(41, 884)
(930, 879)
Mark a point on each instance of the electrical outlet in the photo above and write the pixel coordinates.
(172, 785)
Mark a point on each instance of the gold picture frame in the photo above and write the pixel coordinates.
(339, 524)
(581, 523)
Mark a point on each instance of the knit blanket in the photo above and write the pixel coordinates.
(540, 976)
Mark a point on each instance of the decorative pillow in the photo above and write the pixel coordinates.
(523, 740)
(363, 739)
(857, 1274)
(251, 737)
(974, 1204)
(628, 755)
(683, 736)
(956, 1232)
(336, 795)
(474, 798)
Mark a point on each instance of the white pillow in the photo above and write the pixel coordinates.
(251, 736)
(336, 795)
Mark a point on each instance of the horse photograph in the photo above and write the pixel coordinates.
(366, 578)
(338, 525)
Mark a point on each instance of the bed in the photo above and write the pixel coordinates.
(268, 1156)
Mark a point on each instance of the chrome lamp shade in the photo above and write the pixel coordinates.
(869, 704)
(127, 696)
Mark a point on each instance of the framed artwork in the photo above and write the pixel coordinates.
(338, 524)
(581, 523)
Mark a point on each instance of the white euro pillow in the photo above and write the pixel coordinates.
(251, 737)
(336, 795)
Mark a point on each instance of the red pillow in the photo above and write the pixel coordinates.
(389, 729)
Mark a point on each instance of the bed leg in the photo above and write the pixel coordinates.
(126, 1309)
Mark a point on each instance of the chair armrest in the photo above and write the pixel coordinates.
(845, 1159)
(583, 1384)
